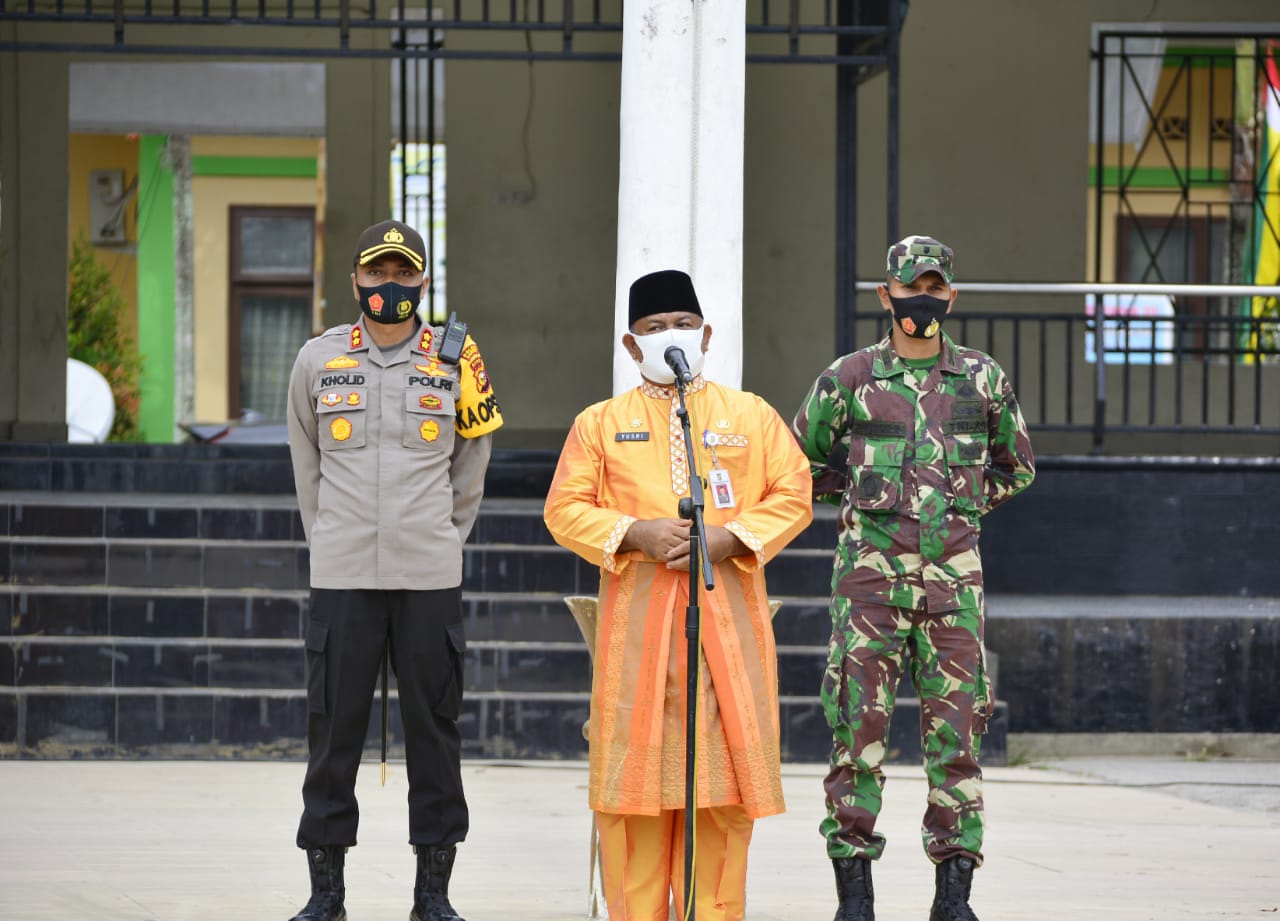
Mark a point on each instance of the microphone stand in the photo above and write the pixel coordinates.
(690, 508)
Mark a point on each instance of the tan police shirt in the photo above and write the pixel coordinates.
(389, 455)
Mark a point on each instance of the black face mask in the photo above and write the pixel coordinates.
(920, 316)
(389, 302)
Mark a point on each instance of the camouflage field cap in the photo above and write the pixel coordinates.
(913, 255)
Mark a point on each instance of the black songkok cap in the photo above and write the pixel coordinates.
(661, 292)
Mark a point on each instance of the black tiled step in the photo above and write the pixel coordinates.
(214, 469)
(285, 565)
(514, 668)
(261, 518)
(45, 723)
(156, 516)
(55, 611)
(145, 723)
(69, 611)
(1213, 671)
(149, 662)
(154, 563)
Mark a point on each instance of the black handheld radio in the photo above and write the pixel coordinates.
(455, 334)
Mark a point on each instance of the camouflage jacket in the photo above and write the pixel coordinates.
(914, 458)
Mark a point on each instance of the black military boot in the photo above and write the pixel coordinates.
(853, 887)
(952, 879)
(431, 889)
(327, 888)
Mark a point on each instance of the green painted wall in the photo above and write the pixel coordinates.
(258, 167)
(155, 289)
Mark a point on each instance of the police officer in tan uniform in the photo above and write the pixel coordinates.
(390, 424)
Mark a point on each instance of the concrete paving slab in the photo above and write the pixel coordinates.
(170, 841)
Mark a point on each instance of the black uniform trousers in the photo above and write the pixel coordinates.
(347, 631)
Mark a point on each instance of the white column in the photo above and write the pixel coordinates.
(680, 165)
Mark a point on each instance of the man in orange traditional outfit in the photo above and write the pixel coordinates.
(614, 502)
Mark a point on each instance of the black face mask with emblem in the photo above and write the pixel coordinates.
(921, 316)
(389, 302)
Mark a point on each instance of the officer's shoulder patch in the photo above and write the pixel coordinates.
(478, 411)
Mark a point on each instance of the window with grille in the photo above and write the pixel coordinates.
(272, 284)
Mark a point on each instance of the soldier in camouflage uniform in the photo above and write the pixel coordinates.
(915, 438)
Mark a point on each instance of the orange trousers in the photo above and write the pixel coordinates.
(642, 863)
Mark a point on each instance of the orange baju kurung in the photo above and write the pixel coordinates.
(624, 461)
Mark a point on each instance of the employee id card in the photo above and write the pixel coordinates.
(721, 487)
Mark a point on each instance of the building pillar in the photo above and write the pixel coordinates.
(357, 169)
(33, 245)
(680, 165)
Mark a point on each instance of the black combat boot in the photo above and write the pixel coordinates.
(431, 889)
(853, 887)
(327, 888)
(953, 877)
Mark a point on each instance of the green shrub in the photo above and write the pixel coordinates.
(98, 336)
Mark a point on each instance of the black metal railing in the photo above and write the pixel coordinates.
(1213, 375)
(782, 31)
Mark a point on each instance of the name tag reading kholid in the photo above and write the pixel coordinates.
(721, 487)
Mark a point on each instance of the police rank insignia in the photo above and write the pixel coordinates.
(331, 399)
(357, 340)
(424, 343)
(430, 401)
(430, 430)
(340, 429)
(342, 361)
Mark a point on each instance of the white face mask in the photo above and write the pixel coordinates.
(653, 347)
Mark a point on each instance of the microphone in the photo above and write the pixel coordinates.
(674, 356)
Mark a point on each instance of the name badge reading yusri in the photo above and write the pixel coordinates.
(631, 436)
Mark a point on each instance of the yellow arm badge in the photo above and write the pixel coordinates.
(478, 412)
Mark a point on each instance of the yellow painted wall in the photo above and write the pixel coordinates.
(212, 198)
(86, 152)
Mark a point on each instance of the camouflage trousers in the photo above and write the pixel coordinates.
(869, 643)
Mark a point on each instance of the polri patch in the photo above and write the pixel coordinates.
(631, 436)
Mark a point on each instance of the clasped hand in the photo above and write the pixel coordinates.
(668, 539)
